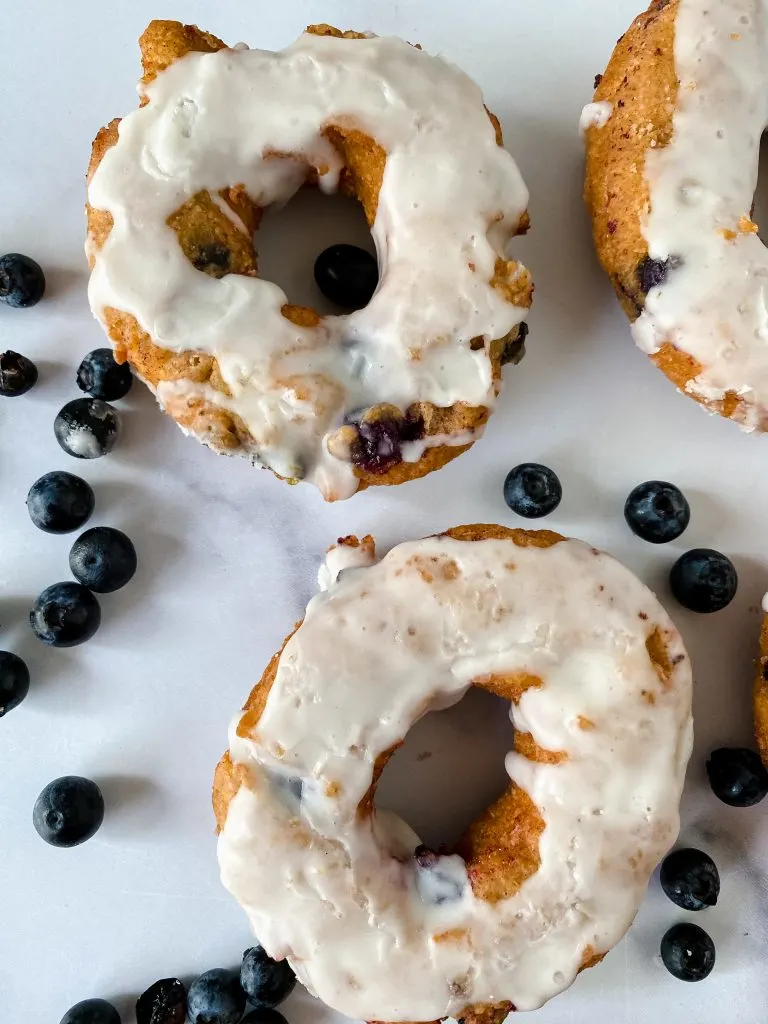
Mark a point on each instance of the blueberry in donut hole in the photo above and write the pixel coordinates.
(552, 872)
(224, 135)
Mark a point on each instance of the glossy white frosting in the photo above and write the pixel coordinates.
(338, 892)
(450, 200)
(714, 302)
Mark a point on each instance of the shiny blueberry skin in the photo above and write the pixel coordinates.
(265, 981)
(688, 952)
(165, 1002)
(22, 281)
(703, 580)
(263, 1015)
(690, 878)
(377, 447)
(18, 375)
(657, 512)
(91, 1011)
(87, 428)
(65, 615)
(737, 776)
(102, 377)
(69, 811)
(347, 275)
(532, 490)
(216, 998)
(60, 502)
(14, 681)
(103, 559)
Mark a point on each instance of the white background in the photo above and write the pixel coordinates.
(228, 554)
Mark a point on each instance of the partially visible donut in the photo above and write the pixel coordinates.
(550, 876)
(673, 144)
(761, 693)
(178, 188)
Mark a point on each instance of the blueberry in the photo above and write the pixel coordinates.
(688, 952)
(103, 559)
(652, 273)
(690, 879)
(60, 502)
(68, 811)
(703, 580)
(657, 512)
(18, 375)
(102, 377)
(22, 281)
(265, 981)
(737, 776)
(514, 349)
(87, 428)
(216, 998)
(532, 491)
(165, 1002)
(377, 447)
(263, 1015)
(347, 275)
(91, 1011)
(65, 615)
(14, 681)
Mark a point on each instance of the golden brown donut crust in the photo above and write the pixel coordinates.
(213, 244)
(501, 847)
(761, 695)
(641, 84)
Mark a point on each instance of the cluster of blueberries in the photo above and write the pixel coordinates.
(701, 580)
(70, 809)
(216, 997)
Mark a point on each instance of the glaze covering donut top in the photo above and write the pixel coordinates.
(450, 199)
(601, 703)
(707, 275)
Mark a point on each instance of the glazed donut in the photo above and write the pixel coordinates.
(177, 189)
(550, 876)
(761, 690)
(673, 143)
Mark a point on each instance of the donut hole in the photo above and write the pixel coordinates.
(290, 239)
(450, 767)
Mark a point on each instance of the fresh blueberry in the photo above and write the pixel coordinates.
(87, 428)
(265, 981)
(18, 375)
(532, 491)
(60, 502)
(377, 447)
(737, 776)
(22, 281)
(103, 559)
(102, 377)
(347, 275)
(216, 998)
(68, 811)
(165, 1002)
(14, 681)
(263, 1015)
(690, 879)
(688, 952)
(65, 615)
(657, 512)
(703, 580)
(92, 1011)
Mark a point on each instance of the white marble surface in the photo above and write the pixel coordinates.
(228, 554)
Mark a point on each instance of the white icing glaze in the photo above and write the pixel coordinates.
(765, 603)
(714, 304)
(595, 115)
(339, 893)
(209, 123)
